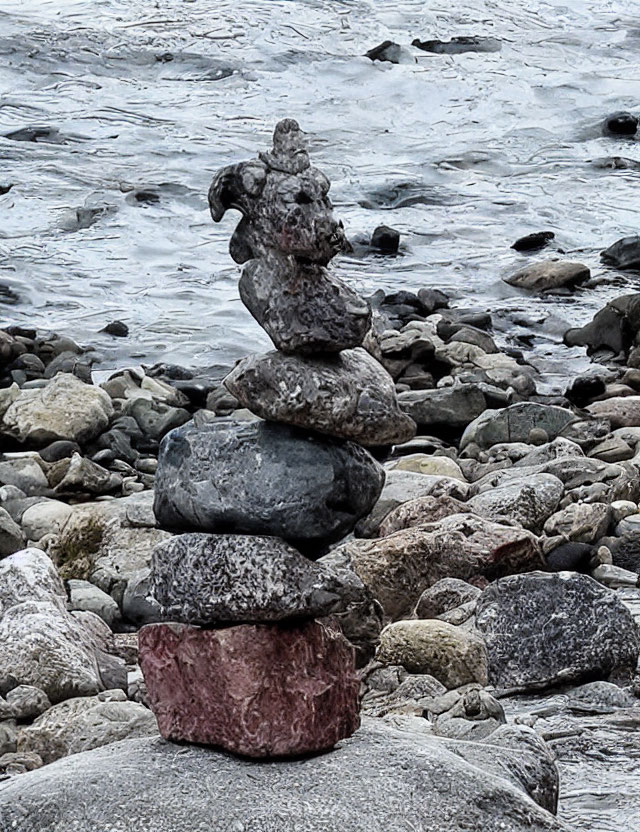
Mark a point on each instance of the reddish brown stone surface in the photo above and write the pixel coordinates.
(261, 690)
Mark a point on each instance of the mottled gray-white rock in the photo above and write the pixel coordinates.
(621, 411)
(398, 568)
(580, 522)
(445, 595)
(26, 474)
(45, 517)
(450, 408)
(303, 308)
(420, 511)
(84, 723)
(66, 408)
(349, 395)
(474, 714)
(551, 274)
(429, 784)
(402, 486)
(27, 702)
(528, 503)
(543, 630)
(41, 644)
(451, 655)
(263, 478)
(207, 579)
(514, 424)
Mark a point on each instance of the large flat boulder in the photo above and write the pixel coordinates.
(421, 783)
(548, 629)
(265, 479)
(349, 395)
(515, 423)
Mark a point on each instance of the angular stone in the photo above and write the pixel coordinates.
(450, 408)
(11, 537)
(445, 595)
(427, 784)
(349, 395)
(621, 411)
(528, 502)
(451, 655)
(207, 579)
(580, 522)
(624, 253)
(514, 423)
(265, 690)
(421, 511)
(265, 479)
(551, 274)
(302, 307)
(84, 723)
(612, 327)
(543, 630)
(65, 409)
(398, 568)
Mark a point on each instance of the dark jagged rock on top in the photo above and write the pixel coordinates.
(614, 327)
(385, 239)
(207, 579)
(457, 45)
(349, 395)
(263, 478)
(283, 202)
(302, 307)
(534, 242)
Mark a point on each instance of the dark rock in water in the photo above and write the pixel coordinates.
(387, 51)
(614, 327)
(61, 449)
(262, 478)
(623, 254)
(349, 395)
(543, 630)
(146, 196)
(457, 45)
(117, 328)
(550, 274)
(616, 163)
(620, 124)
(584, 389)
(571, 557)
(206, 579)
(4, 189)
(385, 239)
(534, 242)
(265, 690)
(8, 295)
(302, 307)
(432, 299)
(50, 135)
(429, 784)
(625, 551)
(169, 372)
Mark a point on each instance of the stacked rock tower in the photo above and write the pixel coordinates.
(248, 657)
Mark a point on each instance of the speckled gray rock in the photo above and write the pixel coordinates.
(27, 702)
(447, 407)
(349, 395)
(303, 308)
(262, 478)
(528, 503)
(420, 511)
(65, 409)
(580, 522)
(446, 594)
(208, 579)
(514, 423)
(86, 596)
(543, 630)
(84, 723)
(429, 784)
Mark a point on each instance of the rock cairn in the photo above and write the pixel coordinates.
(250, 658)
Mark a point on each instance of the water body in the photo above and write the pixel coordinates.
(136, 104)
(131, 106)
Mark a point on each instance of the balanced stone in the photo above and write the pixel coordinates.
(349, 395)
(263, 478)
(259, 690)
(302, 307)
(208, 579)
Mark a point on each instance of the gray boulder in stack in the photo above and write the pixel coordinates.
(247, 658)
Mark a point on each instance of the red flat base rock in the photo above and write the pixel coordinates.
(261, 690)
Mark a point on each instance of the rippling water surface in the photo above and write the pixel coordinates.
(143, 101)
(462, 153)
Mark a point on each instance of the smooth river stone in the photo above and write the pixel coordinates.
(349, 395)
(208, 579)
(261, 478)
(261, 690)
(302, 307)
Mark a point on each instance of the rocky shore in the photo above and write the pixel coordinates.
(482, 573)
